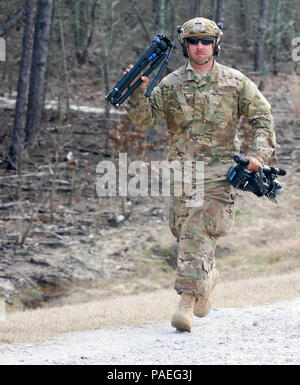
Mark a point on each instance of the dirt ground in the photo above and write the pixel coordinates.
(60, 243)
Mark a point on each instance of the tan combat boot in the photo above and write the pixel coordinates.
(183, 317)
(203, 304)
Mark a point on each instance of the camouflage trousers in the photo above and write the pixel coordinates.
(197, 230)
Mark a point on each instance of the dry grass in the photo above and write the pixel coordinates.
(257, 291)
(40, 325)
(280, 257)
(263, 265)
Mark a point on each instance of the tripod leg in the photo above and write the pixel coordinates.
(139, 81)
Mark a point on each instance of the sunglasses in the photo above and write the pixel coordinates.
(204, 40)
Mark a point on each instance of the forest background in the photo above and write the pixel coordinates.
(60, 243)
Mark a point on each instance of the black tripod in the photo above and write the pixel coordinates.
(160, 51)
(262, 183)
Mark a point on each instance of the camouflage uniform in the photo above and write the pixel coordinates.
(202, 116)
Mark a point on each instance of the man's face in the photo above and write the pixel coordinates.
(198, 50)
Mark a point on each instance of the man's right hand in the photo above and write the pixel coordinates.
(145, 79)
(254, 164)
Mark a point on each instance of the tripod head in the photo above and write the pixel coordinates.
(159, 52)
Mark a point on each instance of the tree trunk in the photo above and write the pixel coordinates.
(277, 36)
(83, 33)
(15, 153)
(38, 68)
(82, 57)
(244, 23)
(162, 16)
(260, 39)
(220, 11)
(195, 8)
(65, 78)
(106, 28)
(105, 67)
(155, 14)
(172, 19)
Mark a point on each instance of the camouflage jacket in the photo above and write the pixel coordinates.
(203, 115)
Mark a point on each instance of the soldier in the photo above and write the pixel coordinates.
(202, 103)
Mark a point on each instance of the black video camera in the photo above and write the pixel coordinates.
(262, 183)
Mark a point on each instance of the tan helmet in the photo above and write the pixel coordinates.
(200, 27)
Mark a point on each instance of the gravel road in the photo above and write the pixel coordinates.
(259, 335)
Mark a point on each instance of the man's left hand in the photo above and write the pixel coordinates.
(254, 164)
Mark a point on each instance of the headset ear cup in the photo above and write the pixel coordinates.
(184, 50)
(217, 47)
(216, 50)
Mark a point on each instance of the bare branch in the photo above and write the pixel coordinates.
(12, 20)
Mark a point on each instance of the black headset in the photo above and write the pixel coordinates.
(217, 42)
